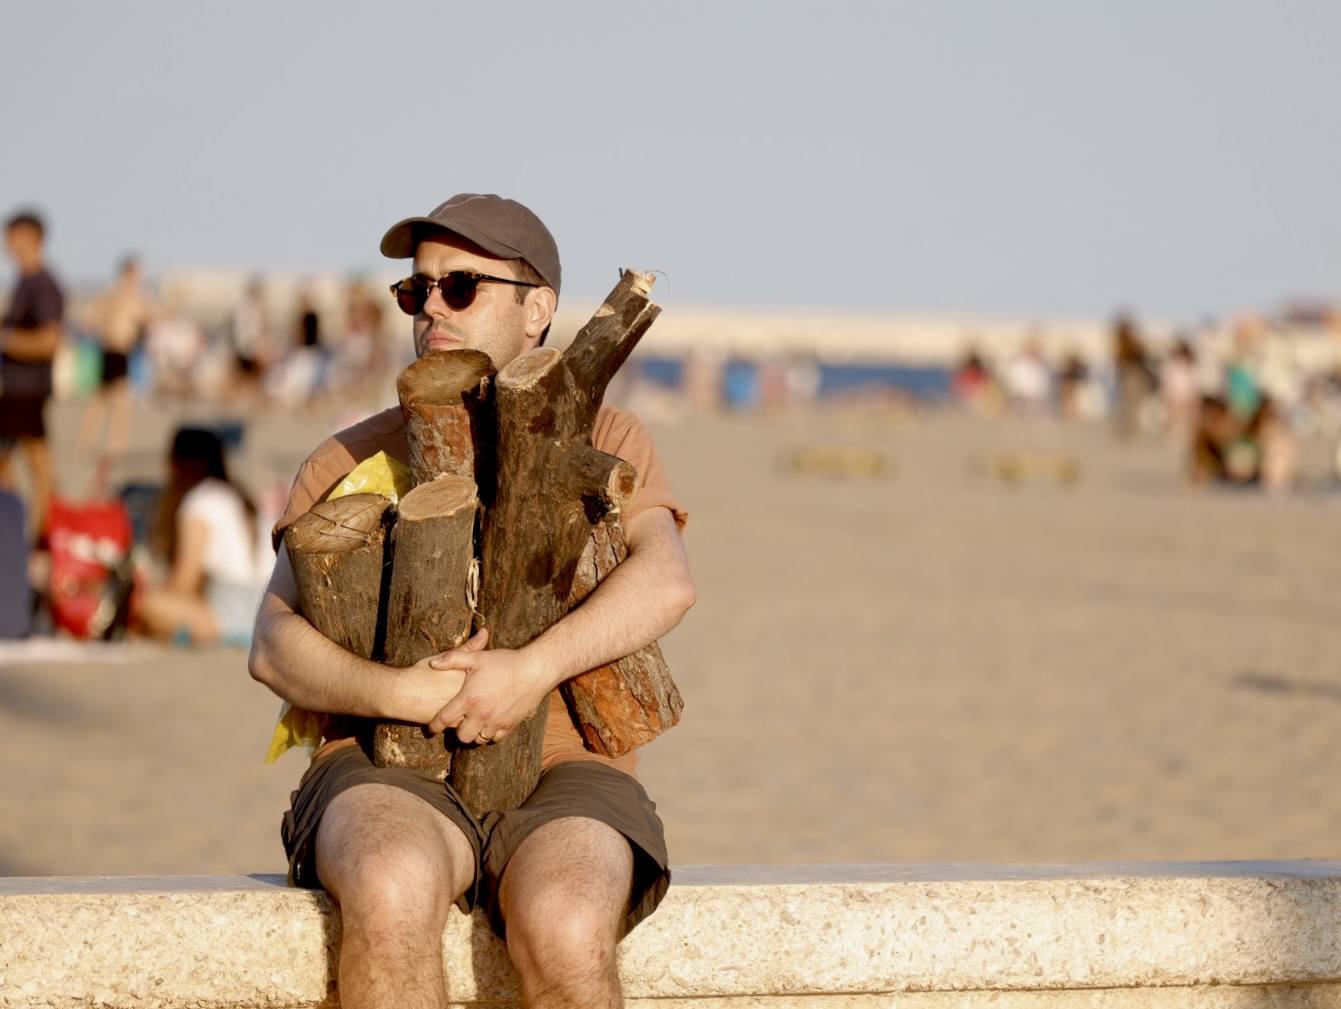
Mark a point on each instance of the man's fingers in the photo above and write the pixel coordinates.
(462, 658)
(451, 714)
(477, 640)
(469, 730)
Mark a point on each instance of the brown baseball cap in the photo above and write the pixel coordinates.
(500, 227)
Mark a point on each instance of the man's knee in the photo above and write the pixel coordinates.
(385, 856)
(395, 881)
(565, 896)
(555, 940)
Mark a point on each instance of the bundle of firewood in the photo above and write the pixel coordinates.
(513, 520)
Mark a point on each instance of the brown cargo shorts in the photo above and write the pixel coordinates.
(578, 788)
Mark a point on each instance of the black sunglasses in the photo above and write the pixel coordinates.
(458, 289)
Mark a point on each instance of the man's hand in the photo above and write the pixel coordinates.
(432, 682)
(502, 689)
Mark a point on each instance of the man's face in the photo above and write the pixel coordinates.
(22, 243)
(494, 322)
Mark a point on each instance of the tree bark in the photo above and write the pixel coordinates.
(625, 704)
(444, 397)
(428, 604)
(552, 487)
(337, 551)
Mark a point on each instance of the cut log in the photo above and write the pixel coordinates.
(428, 606)
(337, 552)
(552, 486)
(625, 704)
(338, 555)
(444, 398)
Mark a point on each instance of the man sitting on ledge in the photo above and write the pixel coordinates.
(583, 860)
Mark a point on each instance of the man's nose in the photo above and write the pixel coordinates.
(436, 306)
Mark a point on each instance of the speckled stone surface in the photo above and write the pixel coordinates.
(920, 937)
(1202, 997)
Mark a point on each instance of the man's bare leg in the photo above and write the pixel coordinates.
(564, 896)
(165, 613)
(120, 404)
(39, 465)
(395, 865)
(7, 468)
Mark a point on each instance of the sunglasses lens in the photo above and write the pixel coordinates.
(410, 296)
(458, 290)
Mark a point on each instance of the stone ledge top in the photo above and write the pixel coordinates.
(753, 875)
(723, 932)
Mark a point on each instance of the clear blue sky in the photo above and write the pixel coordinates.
(993, 157)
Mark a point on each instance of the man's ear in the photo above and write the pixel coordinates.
(540, 305)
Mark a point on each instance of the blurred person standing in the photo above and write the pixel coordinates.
(1132, 376)
(1243, 385)
(309, 322)
(1027, 377)
(974, 385)
(1073, 382)
(362, 362)
(178, 351)
(302, 372)
(30, 335)
(250, 332)
(120, 317)
(1179, 391)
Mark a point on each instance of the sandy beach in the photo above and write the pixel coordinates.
(929, 664)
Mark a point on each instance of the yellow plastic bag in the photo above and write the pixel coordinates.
(377, 474)
(296, 727)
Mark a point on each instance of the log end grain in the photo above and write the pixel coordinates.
(341, 526)
(528, 369)
(444, 377)
(444, 497)
(642, 282)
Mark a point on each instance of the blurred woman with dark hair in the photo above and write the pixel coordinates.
(208, 535)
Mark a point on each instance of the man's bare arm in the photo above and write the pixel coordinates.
(307, 669)
(637, 603)
(33, 345)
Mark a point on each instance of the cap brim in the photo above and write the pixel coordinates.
(401, 238)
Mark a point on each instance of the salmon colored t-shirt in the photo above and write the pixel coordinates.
(617, 432)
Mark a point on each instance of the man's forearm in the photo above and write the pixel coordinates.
(310, 671)
(33, 345)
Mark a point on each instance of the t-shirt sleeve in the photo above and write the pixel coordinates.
(206, 503)
(48, 304)
(316, 478)
(620, 433)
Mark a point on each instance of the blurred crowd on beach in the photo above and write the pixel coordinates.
(185, 556)
(1239, 398)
